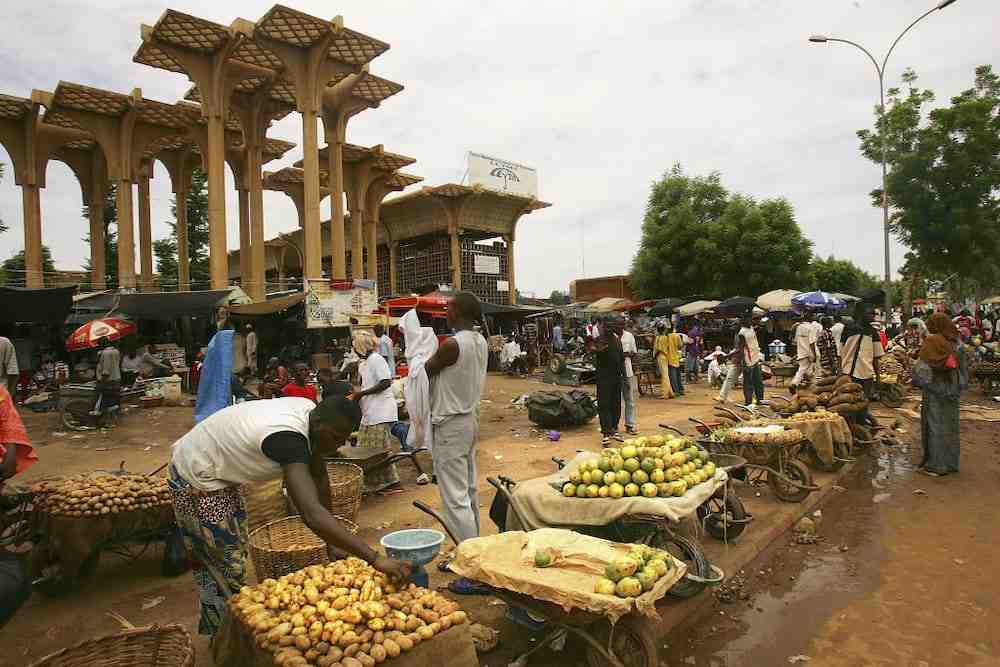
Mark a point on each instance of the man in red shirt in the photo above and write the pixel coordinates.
(298, 387)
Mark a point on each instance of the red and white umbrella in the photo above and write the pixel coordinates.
(91, 333)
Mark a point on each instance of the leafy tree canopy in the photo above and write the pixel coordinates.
(165, 250)
(697, 237)
(839, 275)
(944, 176)
(13, 272)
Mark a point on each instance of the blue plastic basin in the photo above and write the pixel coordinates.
(417, 545)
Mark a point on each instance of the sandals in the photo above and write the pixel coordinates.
(631, 430)
(930, 473)
(606, 441)
(423, 478)
(463, 586)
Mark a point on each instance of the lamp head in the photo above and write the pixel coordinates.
(822, 39)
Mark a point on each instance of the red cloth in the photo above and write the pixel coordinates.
(308, 391)
(12, 432)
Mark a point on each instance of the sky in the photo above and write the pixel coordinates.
(600, 97)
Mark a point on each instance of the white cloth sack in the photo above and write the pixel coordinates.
(421, 344)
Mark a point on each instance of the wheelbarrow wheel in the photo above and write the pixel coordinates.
(841, 452)
(692, 555)
(69, 411)
(723, 518)
(632, 640)
(796, 471)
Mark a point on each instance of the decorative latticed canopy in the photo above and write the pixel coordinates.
(12, 108)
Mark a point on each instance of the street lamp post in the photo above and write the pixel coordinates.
(880, 71)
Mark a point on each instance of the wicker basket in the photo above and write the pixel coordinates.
(265, 502)
(286, 545)
(346, 481)
(154, 646)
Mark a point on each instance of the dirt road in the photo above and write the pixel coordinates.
(897, 578)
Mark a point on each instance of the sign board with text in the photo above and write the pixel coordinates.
(502, 175)
(486, 264)
(334, 304)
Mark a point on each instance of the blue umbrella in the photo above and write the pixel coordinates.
(818, 301)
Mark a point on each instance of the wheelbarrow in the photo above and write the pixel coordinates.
(656, 531)
(723, 515)
(631, 642)
(778, 465)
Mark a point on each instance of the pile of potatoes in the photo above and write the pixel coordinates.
(343, 614)
(90, 495)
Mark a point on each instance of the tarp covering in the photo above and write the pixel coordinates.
(606, 305)
(20, 304)
(154, 305)
(170, 305)
(268, 307)
(695, 308)
(507, 561)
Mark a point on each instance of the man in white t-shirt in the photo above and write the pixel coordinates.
(630, 387)
(457, 373)
(247, 444)
(378, 406)
(750, 359)
(386, 348)
(805, 349)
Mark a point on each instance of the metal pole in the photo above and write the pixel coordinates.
(880, 69)
(885, 199)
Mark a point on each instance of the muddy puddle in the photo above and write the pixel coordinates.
(776, 605)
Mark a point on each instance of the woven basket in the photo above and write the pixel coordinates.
(346, 481)
(265, 502)
(154, 646)
(287, 545)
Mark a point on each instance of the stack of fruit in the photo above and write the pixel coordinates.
(632, 575)
(87, 495)
(652, 467)
(345, 614)
(889, 368)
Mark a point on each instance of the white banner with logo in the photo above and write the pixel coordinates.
(330, 305)
(496, 174)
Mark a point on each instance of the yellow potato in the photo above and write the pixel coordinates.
(392, 649)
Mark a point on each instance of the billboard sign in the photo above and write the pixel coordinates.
(333, 305)
(501, 175)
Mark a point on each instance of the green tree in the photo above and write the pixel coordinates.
(559, 298)
(698, 238)
(12, 271)
(110, 236)
(944, 176)
(839, 275)
(197, 229)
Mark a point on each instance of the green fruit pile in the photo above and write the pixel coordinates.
(632, 575)
(653, 467)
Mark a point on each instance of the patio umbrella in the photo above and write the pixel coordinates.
(735, 305)
(665, 307)
(88, 335)
(818, 301)
(777, 300)
(873, 295)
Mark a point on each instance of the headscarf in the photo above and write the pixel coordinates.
(364, 342)
(941, 343)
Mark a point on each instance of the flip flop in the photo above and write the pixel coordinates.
(423, 479)
(443, 564)
(463, 586)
